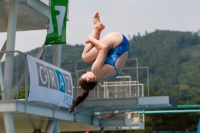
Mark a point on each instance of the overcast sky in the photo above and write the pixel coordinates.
(126, 16)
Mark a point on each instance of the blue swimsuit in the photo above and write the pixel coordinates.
(114, 54)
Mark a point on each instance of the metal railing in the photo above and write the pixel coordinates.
(20, 76)
(101, 91)
(118, 89)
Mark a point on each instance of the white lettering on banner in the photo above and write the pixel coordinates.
(44, 81)
(52, 76)
(53, 79)
(67, 79)
(62, 85)
(43, 77)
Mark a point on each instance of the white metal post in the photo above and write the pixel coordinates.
(142, 90)
(50, 126)
(1, 79)
(10, 46)
(26, 80)
(148, 80)
(56, 61)
(137, 76)
(8, 121)
(56, 128)
(57, 55)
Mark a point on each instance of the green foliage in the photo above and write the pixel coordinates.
(21, 93)
(173, 61)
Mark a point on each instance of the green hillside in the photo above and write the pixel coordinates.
(173, 61)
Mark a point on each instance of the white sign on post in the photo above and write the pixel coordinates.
(49, 84)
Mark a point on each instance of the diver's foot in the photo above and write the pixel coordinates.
(97, 23)
(96, 17)
(99, 26)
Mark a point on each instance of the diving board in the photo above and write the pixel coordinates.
(132, 103)
(113, 112)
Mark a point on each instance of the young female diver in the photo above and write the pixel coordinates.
(108, 56)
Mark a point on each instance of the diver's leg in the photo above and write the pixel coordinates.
(111, 41)
(98, 26)
(90, 52)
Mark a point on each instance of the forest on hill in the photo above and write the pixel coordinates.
(173, 59)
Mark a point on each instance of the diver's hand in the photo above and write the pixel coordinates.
(88, 38)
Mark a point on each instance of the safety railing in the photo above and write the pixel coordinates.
(118, 89)
(125, 83)
(14, 84)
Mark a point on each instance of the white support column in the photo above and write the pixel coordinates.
(8, 122)
(57, 55)
(10, 46)
(137, 76)
(8, 72)
(50, 126)
(56, 128)
(1, 79)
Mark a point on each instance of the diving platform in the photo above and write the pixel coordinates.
(35, 117)
(123, 113)
(137, 103)
(32, 15)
